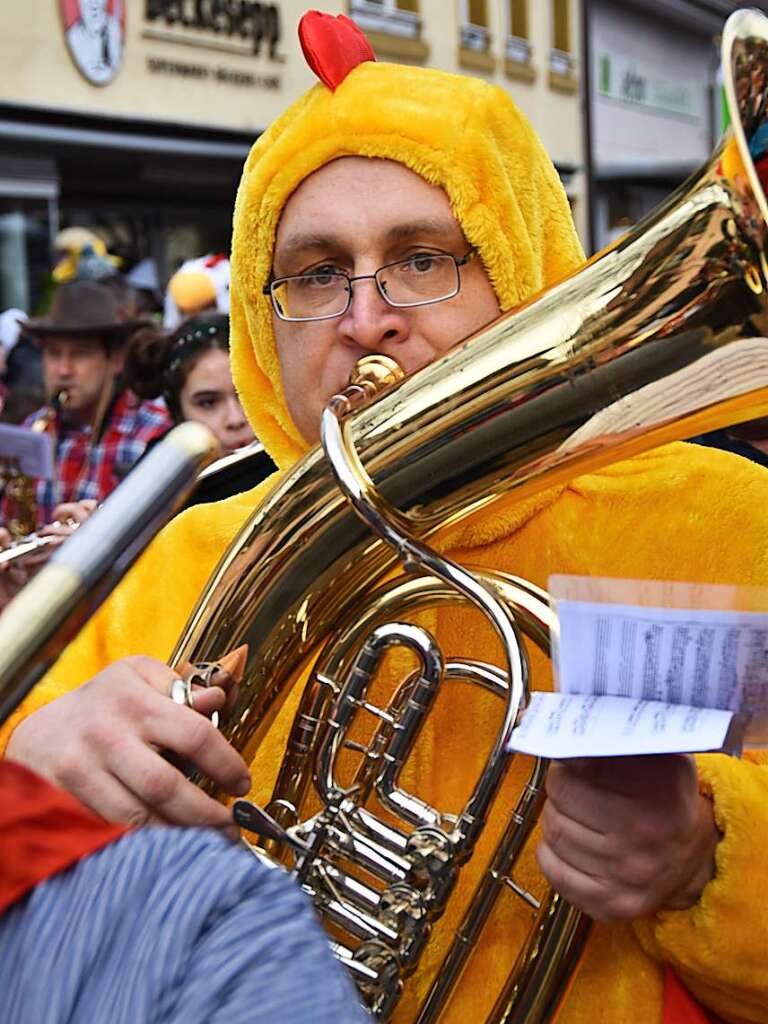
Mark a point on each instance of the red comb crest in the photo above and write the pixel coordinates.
(333, 46)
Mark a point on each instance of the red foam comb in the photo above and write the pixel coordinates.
(332, 46)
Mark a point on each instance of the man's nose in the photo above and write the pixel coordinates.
(370, 321)
(235, 419)
(62, 365)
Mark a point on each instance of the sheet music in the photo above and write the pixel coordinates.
(644, 679)
(34, 451)
(716, 659)
(558, 725)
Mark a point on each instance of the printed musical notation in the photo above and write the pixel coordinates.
(698, 657)
(559, 725)
(635, 679)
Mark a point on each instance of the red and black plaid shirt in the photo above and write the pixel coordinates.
(92, 470)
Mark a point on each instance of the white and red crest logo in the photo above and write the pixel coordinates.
(95, 34)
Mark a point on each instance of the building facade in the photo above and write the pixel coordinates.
(655, 108)
(133, 117)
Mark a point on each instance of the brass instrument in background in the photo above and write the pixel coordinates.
(231, 474)
(51, 411)
(18, 489)
(659, 338)
(27, 544)
(19, 495)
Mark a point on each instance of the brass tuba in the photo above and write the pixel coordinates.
(659, 338)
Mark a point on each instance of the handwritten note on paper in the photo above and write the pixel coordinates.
(559, 725)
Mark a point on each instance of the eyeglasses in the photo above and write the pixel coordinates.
(419, 280)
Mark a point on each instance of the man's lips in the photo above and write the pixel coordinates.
(239, 445)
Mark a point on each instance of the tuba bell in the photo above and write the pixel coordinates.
(660, 337)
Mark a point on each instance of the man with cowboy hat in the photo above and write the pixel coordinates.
(99, 428)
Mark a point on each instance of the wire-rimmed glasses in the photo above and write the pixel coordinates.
(418, 280)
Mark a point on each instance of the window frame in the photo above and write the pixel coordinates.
(386, 16)
(476, 38)
(561, 61)
(517, 48)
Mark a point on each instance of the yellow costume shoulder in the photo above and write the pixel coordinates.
(682, 512)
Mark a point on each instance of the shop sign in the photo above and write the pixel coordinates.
(620, 78)
(238, 26)
(95, 35)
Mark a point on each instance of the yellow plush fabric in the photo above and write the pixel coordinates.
(679, 513)
(459, 133)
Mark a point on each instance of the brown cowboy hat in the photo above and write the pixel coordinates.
(84, 308)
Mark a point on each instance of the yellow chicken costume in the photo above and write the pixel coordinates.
(681, 512)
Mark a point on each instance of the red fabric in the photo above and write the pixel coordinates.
(43, 831)
(680, 1007)
(70, 11)
(332, 46)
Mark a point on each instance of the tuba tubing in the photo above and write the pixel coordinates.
(658, 338)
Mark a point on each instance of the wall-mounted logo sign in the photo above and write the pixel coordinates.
(620, 78)
(234, 26)
(95, 35)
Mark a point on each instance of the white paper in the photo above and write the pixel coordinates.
(558, 725)
(716, 659)
(33, 450)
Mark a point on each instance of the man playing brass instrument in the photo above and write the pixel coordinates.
(397, 211)
(98, 427)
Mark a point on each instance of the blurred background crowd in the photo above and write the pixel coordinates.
(132, 297)
(112, 365)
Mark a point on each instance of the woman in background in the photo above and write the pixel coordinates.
(190, 370)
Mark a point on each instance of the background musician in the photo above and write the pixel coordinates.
(100, 429)
(189, 371)
(422, 206)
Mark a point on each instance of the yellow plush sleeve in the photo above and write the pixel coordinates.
(691, 513)
(147, 611)
(718, 947)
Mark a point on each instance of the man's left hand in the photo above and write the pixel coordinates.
(627, 836)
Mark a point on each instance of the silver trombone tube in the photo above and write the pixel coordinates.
(45, 615)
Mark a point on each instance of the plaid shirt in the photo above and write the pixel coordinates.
(85, 470)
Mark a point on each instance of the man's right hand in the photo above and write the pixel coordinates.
(103, 743)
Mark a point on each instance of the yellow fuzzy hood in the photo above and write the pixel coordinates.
(458, 133)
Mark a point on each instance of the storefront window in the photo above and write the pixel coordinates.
(24, 254)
